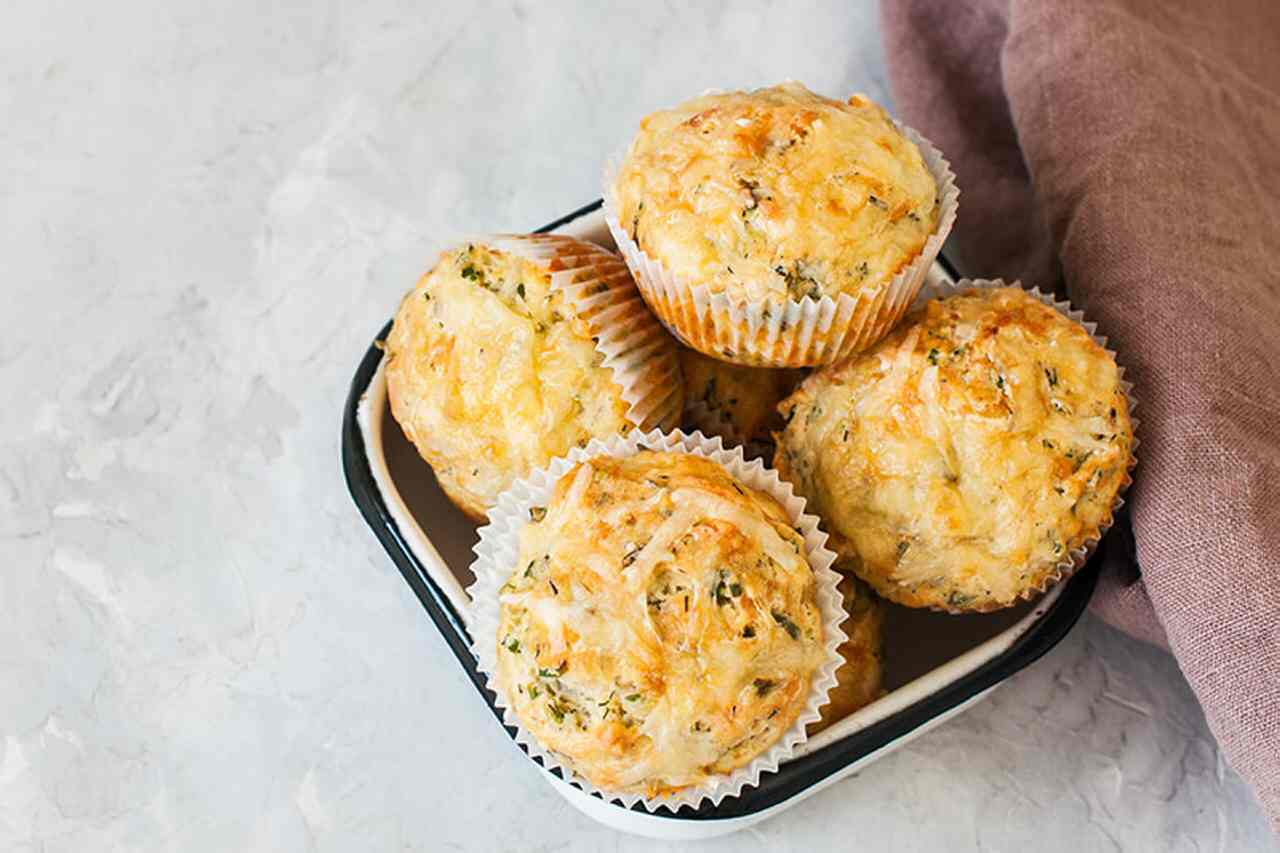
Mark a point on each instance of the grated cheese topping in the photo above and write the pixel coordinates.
(491, 374)
(958, 462)
(661, 625)
(777, 193)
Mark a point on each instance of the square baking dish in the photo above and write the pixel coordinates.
(963, 659)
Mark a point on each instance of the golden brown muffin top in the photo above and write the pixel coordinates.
(661, 625)
(959, 461)
(777, 193)
(746, 398)
(491, 373)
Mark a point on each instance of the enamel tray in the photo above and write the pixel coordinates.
(935, 665)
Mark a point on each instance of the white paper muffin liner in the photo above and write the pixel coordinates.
(783, 332)
(1074, 558)
(496, 555)
(599, 287)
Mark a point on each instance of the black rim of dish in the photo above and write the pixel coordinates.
(792, 778)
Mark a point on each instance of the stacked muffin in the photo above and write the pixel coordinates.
(970, 458)
(659, 616)
(664, 625)
(777, 227)
(513, 350)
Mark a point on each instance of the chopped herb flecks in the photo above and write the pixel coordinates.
(787, 625)
(721, 589)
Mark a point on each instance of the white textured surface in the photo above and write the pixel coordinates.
(206, 210)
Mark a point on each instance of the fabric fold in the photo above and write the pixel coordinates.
(1129, 152)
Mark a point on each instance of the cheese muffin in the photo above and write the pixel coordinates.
(858, 680)
(661, 624)
(496, 362)
(777, 193)
(962, 461)
(738, 403)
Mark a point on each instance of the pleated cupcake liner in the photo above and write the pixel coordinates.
(783, 332)
(496, 557)
(635, 347)
(1075, 558)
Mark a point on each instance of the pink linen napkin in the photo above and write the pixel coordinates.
(1131, 151)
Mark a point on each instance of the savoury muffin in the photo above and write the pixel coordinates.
(661, 624)
(965, 461)
(737, 403)
(777, 193)
(777, 200)
(858, 680)
(509, 353)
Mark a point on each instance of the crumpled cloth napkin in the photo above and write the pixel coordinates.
(1130, 151)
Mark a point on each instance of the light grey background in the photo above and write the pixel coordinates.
(206, 211)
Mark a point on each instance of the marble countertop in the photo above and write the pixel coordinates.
(208, 210)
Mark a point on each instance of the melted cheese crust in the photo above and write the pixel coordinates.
(491, 375)
(777, 193)
(661, 625)
(859, 678)
(962, 458)
(747, 397)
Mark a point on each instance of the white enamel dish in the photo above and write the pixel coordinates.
(936, 665)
